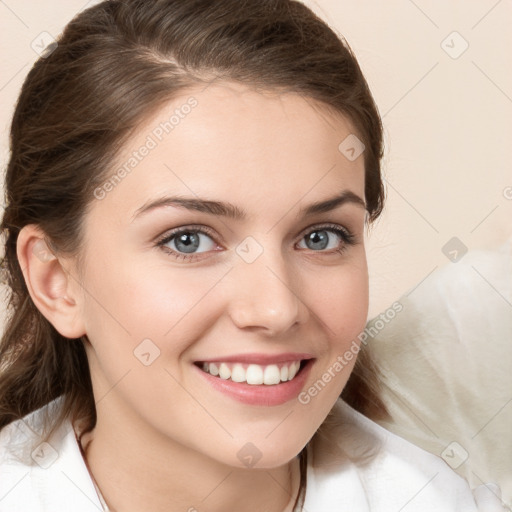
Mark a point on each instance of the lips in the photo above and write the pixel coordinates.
(258, 380)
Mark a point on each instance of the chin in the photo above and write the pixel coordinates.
(267, 453)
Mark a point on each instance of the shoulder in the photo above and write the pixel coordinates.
(354, 461)
(39, 475)
(22, 442)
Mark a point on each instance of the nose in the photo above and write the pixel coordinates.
(265, 296)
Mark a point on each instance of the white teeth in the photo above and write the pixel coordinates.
(254, 374)
(292, 371)
(271, 375)
(213, 369)
(238, 373)
(224, 371)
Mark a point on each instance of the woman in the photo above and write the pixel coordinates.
(187, 195)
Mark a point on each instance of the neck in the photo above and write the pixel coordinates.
(161, 475)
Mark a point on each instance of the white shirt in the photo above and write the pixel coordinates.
(397, 475)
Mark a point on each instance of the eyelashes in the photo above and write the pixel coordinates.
(196, 234)
(186, 230)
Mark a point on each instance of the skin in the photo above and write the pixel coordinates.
(165, 439)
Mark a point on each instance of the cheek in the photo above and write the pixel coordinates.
(133, 301)
(341, 306)
(340, 303)
(340, 300)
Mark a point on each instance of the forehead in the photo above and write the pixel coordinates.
(228, 139)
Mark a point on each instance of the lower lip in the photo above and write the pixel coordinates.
(275, 394)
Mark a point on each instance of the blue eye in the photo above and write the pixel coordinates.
(319, 239)
(187, 243)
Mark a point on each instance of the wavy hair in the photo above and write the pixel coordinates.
(113, 65)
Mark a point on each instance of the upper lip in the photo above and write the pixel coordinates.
(261, 359)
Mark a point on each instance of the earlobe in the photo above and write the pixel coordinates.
(50, 285)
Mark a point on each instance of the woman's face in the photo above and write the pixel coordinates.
(249, 289)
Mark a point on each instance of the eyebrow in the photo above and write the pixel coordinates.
(232, 211)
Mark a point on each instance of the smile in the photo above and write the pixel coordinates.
(257, 378)
(253, 374)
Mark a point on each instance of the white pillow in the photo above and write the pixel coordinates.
(447, 364)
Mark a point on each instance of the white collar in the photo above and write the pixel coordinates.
(48, 476)
(53, 476)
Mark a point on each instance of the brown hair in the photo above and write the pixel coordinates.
(115, 63)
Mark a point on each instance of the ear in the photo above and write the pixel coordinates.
(52, 288)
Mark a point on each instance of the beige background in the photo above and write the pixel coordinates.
(447, 120)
